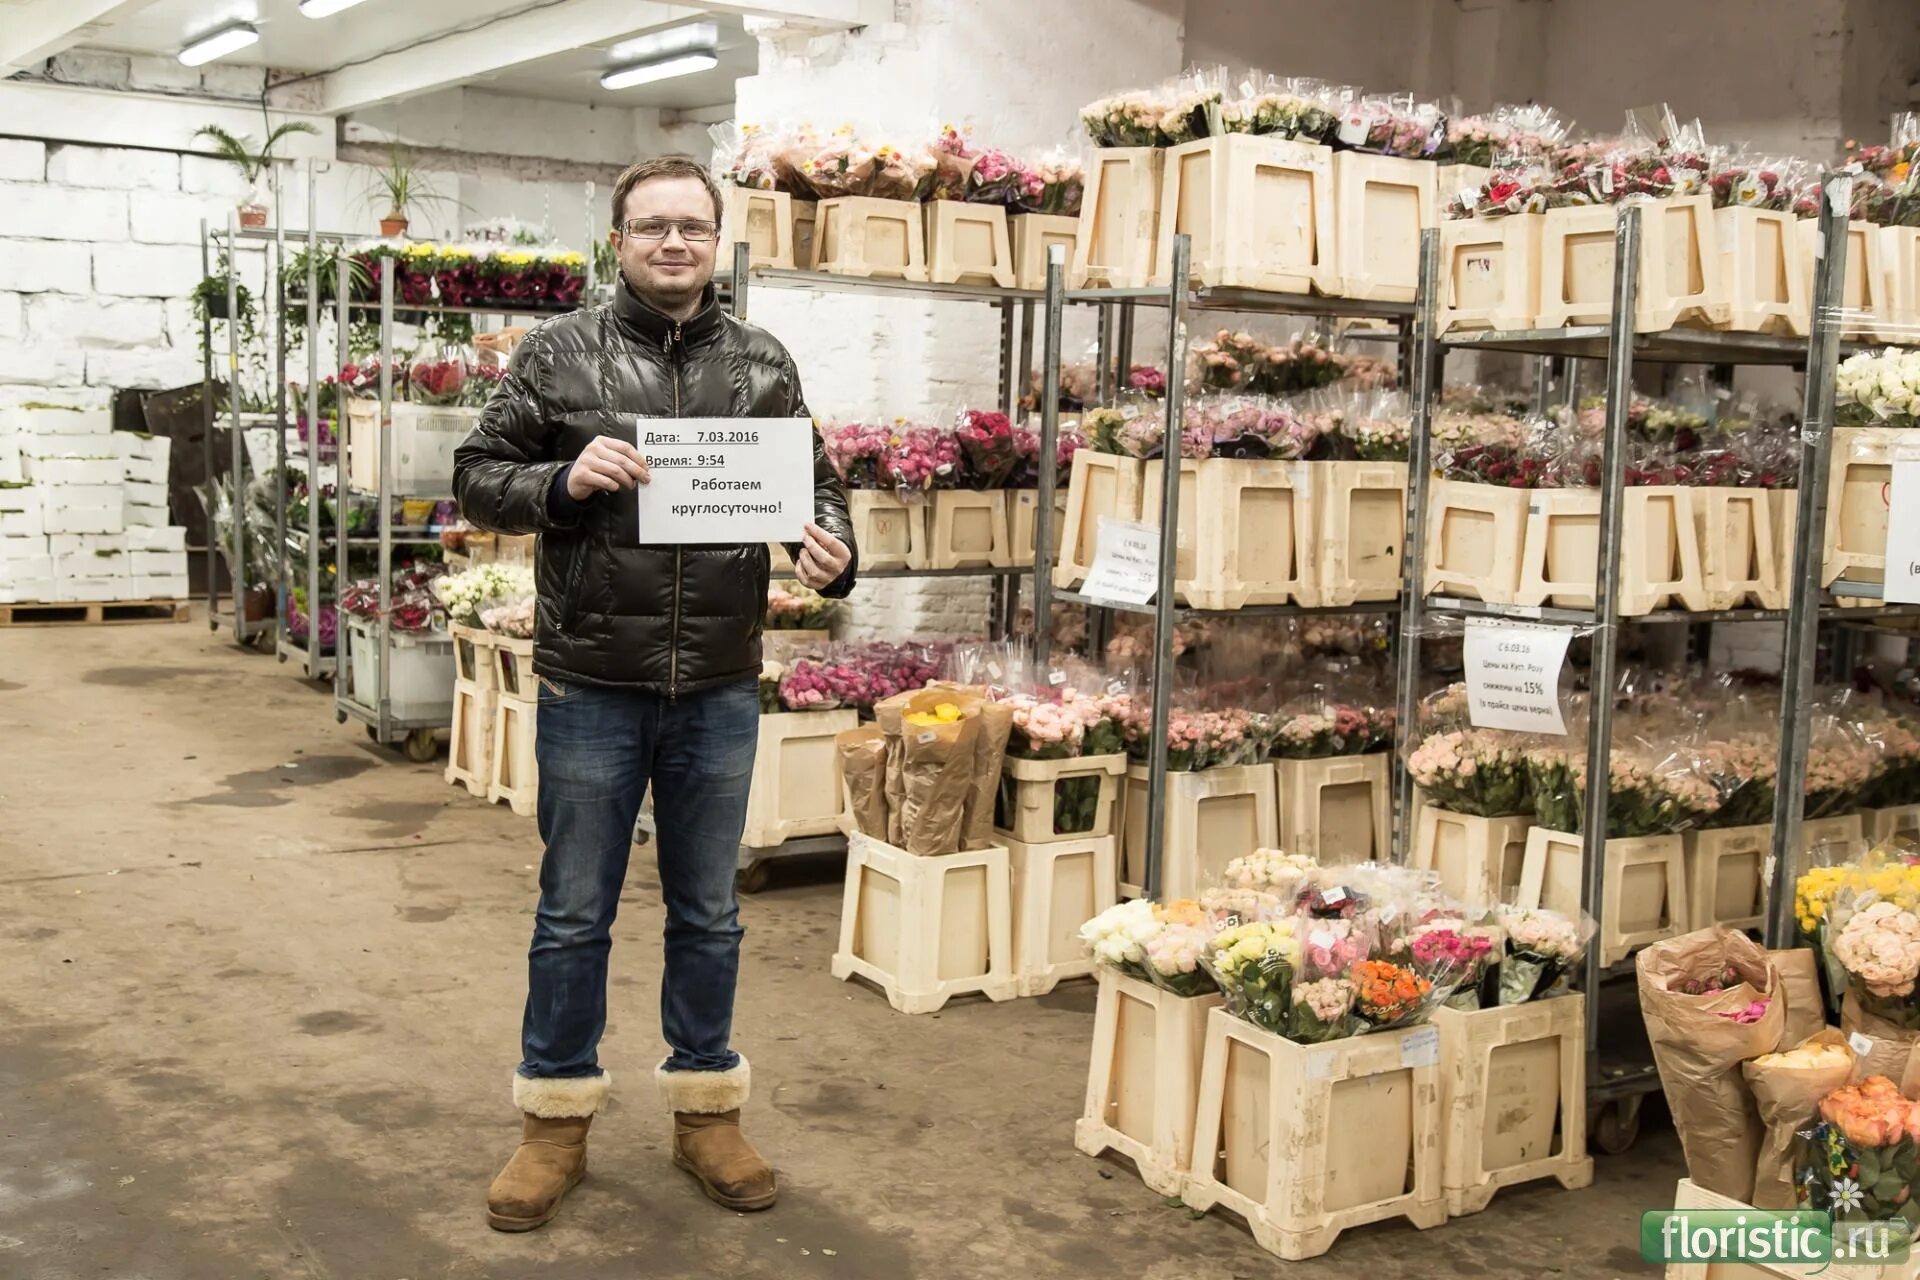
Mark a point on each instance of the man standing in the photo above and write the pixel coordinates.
(648, 660)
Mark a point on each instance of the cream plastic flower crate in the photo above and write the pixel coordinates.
(968, 244)
(1860, 478)
(1760, 276)
(475, 699)
(863, 236)
(1119, 218)
(796, 777)
(1691, 1196)
(891, 534)
(1260, 211)
(424, 438)
(1900, 256)
(1336, 810)
(1361, 510)
(1884, 824)
(1724, 882)
(969, 528)
(926, 929)
(1034, 235)
(1305, 1141)
(1458, 180)
(1023, 510)
(1144, 1078)
(1739, 548)
(1100, 484)
(1841, 833)
(1646, 887)
(1479, 859)
(1213, 816)
(1489, 273)
(1514, 1093)
(1034, 785)
(1679, 280)
(1057, 887)
(1380, 203)
(1866, 311)
(1475, 533)
(514, 774)
(806, 218)
(764, 219)
(1247, 531)
(1659, 550)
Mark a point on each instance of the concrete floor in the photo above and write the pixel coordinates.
(264, 996)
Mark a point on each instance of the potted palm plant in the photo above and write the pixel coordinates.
(402, 186)
(237, 150)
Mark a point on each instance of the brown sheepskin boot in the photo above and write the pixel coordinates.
(552, 1155)
(707, 1141)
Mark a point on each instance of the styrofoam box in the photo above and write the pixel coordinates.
(26, 547)
(20, 498)
(82, 472)
(90, 590)
(56, 421)
(25, 592)
(10, 468)
(56, 494)
(160, 586)
(26, 569)
(144, 493)
(147, 470)
(66, 519)
(16, 524)
(114, 564)
(132, 444)
(132, 515)
(160, 563)
(85, 544)
(166, 538)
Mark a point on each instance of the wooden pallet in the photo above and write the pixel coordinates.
(99, 612)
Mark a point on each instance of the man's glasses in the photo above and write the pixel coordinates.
(692, 230)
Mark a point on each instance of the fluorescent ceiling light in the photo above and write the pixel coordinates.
(684, 64)
(220, 43)
(325, 8)
(689, 37)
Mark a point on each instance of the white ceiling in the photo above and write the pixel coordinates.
(291, 42)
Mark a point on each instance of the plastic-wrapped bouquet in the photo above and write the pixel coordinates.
(511, 618)
(920, 460)
(466, 593)
(1452, 950)
(1254, 964)
(1117, 937)
(1860, 1159)
(1541, 945)
(1482, 772)
(1269, 870)
(791, 607)
(990, 447)
(1292, 107)
(1163, 945)
(1056, 184)
(1394, 126)
(1878, 389)
(1650, 791)
(1003, 179)
(856, 450)
(439, 377)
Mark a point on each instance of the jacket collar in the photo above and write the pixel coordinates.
(655, 327)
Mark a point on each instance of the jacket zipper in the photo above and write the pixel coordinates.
(674, 346)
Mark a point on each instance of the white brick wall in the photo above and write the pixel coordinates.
(41, 364)
(42, 211)
(205, 176)
(148, 368)
(22, 160)
(98, 321)
(30, 266)
(114, 168)
(13, 317)
(146, 270)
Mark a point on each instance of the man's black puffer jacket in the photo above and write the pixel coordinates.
(665, 619)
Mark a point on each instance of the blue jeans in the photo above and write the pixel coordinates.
(598, 750)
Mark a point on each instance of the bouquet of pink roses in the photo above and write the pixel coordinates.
(856, 450)
(920, 460)
(990, 447)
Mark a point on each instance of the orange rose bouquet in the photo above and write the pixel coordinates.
(1388, 995)
(1859, 1160)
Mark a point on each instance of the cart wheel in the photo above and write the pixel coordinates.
(1617, 1125)
(283, 659)
(339, 717)
(753, 877)
(420, 746)
(373, 734)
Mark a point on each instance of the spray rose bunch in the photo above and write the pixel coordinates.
(1473, 771)
(1541, 945)
(1269, 870)
(1002, 179)
(920, 460)
(856, 448)
(990, 447)
(793, 607)
(1130, 119)
(1118, 936)
(1173, 956)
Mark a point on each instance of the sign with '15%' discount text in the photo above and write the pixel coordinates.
(725, 479)
(1513, 676)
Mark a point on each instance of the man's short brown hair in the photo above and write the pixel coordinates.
(661, 167)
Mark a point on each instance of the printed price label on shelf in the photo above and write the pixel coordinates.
(725, 479)
(1421, 1048)
(1126, 565)
(1513, 676)
(1903, 531)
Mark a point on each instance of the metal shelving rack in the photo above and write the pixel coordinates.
(1614, 1084)
(1016, 357)
(1114, 351)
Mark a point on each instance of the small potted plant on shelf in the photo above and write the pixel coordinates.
(402, 186)
(237, 150)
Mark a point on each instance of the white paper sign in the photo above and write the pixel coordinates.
(1860, 1044)
(1513, 676)
(1903, 533)
(725, 479)
(1126, 564)
(1421, 1048)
